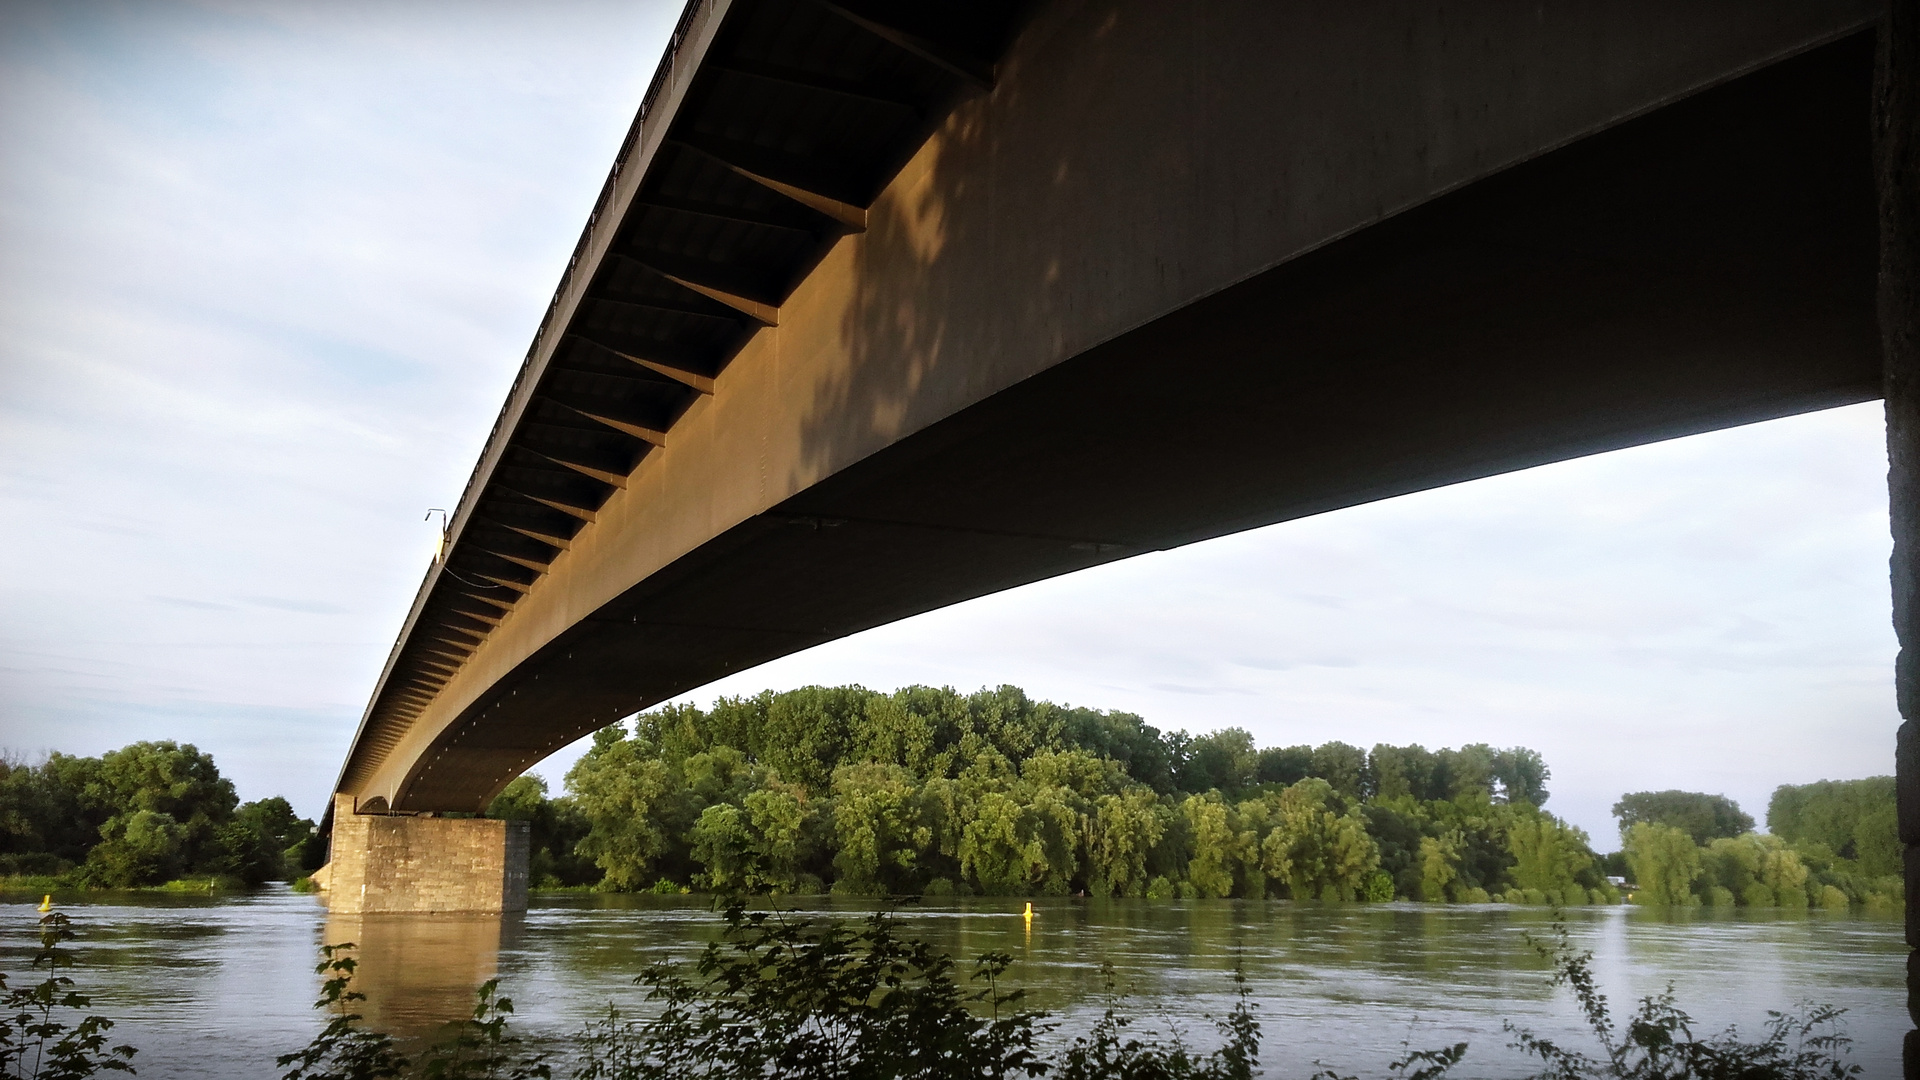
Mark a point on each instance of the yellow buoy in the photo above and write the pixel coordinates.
(1029, 912)
(46, 904)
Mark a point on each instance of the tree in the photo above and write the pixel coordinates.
(1216, 848)
(145, 847)
(1523, 775)
(177, 782)
(1400, 772)
(555, 829)
(43, 814)
(265, 841)
(1755, 870)
(1001, 848)
(877, 825)
(1284, 765)
(1702, 817)
(1439, 865)
(1549, 855)
(1855, 819)
(1224, 760)
(1665, 863)
(636, 806)
(1316, 853)
(1126, 827)
(1342, 766)
(1468, 772)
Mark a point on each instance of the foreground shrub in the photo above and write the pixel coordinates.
(344, 1049)
(792, 997)
(1115, 1049)
(36, 1040)
(1658, 1042)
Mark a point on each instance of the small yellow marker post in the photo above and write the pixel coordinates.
(1028, 915)
(46, 904)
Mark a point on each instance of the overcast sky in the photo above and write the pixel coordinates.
(266, 272)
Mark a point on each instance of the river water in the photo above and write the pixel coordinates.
(217, 987)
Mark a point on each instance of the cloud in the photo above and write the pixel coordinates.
(307, 607)
(181, 601)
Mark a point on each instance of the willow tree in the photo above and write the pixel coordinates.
(1318, 854)
(1665, 863)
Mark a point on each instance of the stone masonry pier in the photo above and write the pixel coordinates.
(406, 864)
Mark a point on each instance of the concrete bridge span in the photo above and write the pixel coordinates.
(890, 305)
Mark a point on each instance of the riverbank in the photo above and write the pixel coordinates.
(63, 886)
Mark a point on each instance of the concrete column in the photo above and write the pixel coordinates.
(1896, 151)
(417, 865)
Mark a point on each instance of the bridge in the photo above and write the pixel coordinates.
(886, 305)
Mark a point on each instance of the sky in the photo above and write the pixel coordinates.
(267, 270)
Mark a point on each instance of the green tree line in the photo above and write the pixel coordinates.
(927, 791)
(1829, 844)
(143, 815)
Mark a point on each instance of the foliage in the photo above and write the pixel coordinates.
(1318, 854)
(344, 1049)
(1515, 775)
(1549, 855)
(1701, 816)
(1113, 1050)
(42, 813)
(1413, 1064)
(1795, 867)
(1658, 1041)
(36, 1042)
(784, 996)
(479, 1047)
(1854, 819)
(143, 815)
(1665, 864)
(555, 828)
(929, 791)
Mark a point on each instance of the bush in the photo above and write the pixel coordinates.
(36, 1041)
(790, 997)
(1658, 1042)
(1110, 1050)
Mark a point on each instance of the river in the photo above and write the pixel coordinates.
(216, 987)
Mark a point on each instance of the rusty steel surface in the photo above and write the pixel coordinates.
(886, 306)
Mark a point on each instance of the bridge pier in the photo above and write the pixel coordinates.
(402, 864)
(1896, 128)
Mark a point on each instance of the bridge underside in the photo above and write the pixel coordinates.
(1709, 264)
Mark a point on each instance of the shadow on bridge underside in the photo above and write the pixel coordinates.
(1708, 264)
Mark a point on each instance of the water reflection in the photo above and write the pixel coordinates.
(420, 971)
(216, 988)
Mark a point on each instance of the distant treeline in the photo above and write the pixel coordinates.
(930, 791)
(1829, 844)
(927, 791)
(142, 815)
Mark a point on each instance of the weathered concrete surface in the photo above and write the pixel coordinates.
(1196, 268)
(1896, 129)
(396, 864)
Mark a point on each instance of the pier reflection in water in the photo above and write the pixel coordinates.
(420, 971)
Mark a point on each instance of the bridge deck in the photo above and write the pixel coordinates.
(1173, 277)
